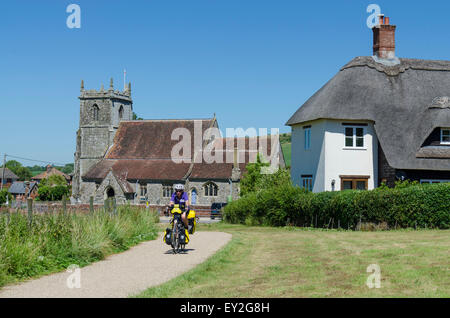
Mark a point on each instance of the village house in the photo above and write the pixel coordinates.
(132, 160)
(21, 190)
(7, 177)
(380, 119)
(50, 170)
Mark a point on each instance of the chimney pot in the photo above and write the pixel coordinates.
(384, 39)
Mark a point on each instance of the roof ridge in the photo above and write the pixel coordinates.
(405, 64)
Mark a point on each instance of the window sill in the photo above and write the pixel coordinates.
(354, 148)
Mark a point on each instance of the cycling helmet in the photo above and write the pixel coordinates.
(179, 187)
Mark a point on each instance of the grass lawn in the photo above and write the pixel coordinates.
(294, 262)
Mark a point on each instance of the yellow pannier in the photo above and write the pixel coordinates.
(192, 221)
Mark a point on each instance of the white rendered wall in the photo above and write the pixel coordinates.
(349, 161)
(311, 161)
(328, 158)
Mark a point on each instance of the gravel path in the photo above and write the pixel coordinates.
(147, 264)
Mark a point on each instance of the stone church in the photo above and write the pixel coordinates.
(132, 160)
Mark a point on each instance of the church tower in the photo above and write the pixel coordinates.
(100, 114)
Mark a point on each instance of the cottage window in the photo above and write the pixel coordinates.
(307, 182)
(96, 110)
(211, 189)
(354, 137)
(354, 182)
(167, 191)
(445, 136)
(307, 133)
(434, 181)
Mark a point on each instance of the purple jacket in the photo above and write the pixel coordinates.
(184, 198)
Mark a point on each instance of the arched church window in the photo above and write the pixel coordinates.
(211, 189)
(121, 112)
(96, 111)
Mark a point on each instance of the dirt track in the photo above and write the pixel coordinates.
(120, 275)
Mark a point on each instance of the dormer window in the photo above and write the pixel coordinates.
(445, 136)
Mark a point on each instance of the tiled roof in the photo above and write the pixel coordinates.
(151, 139)
(18, 187)
(142, 151)
(50, 171)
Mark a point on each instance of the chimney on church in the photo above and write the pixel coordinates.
(384, 39)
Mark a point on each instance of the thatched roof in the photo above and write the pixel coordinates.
(8, 174)
(406, 102)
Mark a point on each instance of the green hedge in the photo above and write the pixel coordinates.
(416, 206)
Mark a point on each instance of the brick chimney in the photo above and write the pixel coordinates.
(384, 39)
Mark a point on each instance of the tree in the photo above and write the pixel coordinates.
(54, 180)
(68, 168)
(16, 167)
(44, 193)
(13, 165)
(251, 178)
(23, 173)
(135, 117)
(254, 180)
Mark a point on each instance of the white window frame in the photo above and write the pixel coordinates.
(442, 135)
(307, 138)
(354, 137)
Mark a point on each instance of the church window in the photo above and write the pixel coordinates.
(96, 111)
(167, 191)
(211, 189)
(121, 112)
(143, 190)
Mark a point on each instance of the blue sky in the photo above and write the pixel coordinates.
(252, 62)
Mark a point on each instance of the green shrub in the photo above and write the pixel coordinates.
(401, 207)
(3, 195)
(52, 193)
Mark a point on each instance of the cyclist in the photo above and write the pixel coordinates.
(181, 198)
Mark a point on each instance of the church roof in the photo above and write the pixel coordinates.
(406, 102)
(142, 151)
(152, 139)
